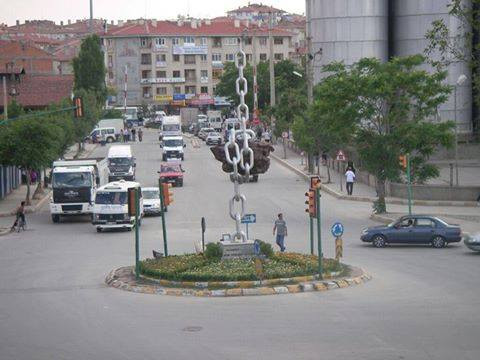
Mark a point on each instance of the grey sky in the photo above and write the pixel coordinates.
(127, 9)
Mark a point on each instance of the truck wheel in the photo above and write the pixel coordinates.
(56, 218)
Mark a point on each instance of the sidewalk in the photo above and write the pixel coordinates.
(10, 203)
(362, 192)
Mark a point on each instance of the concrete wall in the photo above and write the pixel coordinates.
(435, 192)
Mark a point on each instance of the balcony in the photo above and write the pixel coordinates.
(204, 79)
(173, 80)
(147, 96)
(191, 79)
(161, 64)
(217, 64)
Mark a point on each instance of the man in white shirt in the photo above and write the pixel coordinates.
(350, 175)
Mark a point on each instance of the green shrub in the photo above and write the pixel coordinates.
(266, 249)
(213, 251)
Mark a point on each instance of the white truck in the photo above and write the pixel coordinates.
(171, 126)
(74, 183)
(215, 119)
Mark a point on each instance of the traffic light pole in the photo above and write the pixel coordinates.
(164, 226)
(312, 250)
(319, 234)
(137, 235)
(409, 185)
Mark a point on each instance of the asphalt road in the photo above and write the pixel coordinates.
(421, 304)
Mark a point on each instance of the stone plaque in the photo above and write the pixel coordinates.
(238, 250)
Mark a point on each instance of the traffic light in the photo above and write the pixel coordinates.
(402, 159)
(78, 107)
(167, 194)
(312, 206)
(132, 208)
(315, 182)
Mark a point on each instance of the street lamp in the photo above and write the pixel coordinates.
(460, 81)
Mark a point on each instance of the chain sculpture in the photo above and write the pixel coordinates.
(243, 158)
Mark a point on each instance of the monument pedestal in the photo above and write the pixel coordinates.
(239, 250)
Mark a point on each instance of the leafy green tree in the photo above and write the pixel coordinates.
(92, 111)
(112, 114)
(89, 68)
(29, 144)
(383, 109)
(447, 45)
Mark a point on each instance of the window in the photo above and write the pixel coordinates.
(248, 41)
(146, 92)
(189, 59)
(189, 40)
(177, 90)
(145, 74)
(203, 41)
(175, 41)
(190, 75)
(161, 91)
(263, 57)
(146, 59)
(143, 42)
(161, 74)
(161, 57)
(217, 42)
(278, 57)
(159, 41)
(176, 58)
(249, 57)
(110, 61)
(176, 73)
(216, 57)
(204, 90)
(278, 40)
(203, 57)
(405, 223)
(204, 73)
(231, 41)
(190, 89)
(263, 41)
(424, 222)
(230, 57)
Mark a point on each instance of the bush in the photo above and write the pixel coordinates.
(266, 249)
(213, 251)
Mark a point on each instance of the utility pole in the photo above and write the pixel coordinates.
(125, 81)
(255, 85)
(309, 71)
(91, 17)
(272, 68)
(5, 99)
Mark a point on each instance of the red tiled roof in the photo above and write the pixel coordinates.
(41, 90)
(171, 28)
(260, 8)
(68, 50)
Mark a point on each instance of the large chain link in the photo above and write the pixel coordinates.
(242, 157)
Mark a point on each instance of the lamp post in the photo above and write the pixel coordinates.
(461, 79)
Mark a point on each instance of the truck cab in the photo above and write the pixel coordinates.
(121, 163)
(111, 206)
(172, 147)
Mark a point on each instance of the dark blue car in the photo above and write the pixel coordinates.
(413, 229)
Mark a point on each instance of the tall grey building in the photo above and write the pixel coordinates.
(347, 30)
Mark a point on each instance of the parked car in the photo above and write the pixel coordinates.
(151, 200)
(202, 134)
(213, 138)
(472, 242)
(413, 229)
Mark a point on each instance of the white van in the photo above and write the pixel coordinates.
(172, 147)
(109, 133)
(110, 210)
(121, 163)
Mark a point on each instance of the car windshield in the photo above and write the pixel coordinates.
(172, 143)
(169, 168)
(171, 127)
(120, 161)
(72, 180)
(213, 134)
(111, 198)
(150, 194)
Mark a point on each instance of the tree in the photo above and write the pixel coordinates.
(112, 114)
(92, 111)
(89, 68)
(29, 144)
(383, 109)
(448, 45)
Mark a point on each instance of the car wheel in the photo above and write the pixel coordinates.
(56, 218)
(99, 229)
(438, 242)
(378, 241)
(164, 158)
(109, 140)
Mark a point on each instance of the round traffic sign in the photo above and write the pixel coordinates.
(337, 229)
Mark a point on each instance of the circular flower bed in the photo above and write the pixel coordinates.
(197, 267)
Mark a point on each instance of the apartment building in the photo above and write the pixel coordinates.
(180, 62)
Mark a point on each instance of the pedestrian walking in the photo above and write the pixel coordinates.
(281, 228)
(122, 135)
(350, 175)
(128, 134)
(140, 134)
(134, 132)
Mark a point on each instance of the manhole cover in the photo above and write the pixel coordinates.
(192, 328)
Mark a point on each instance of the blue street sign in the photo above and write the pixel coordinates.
(249, 219)
(337, 229)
